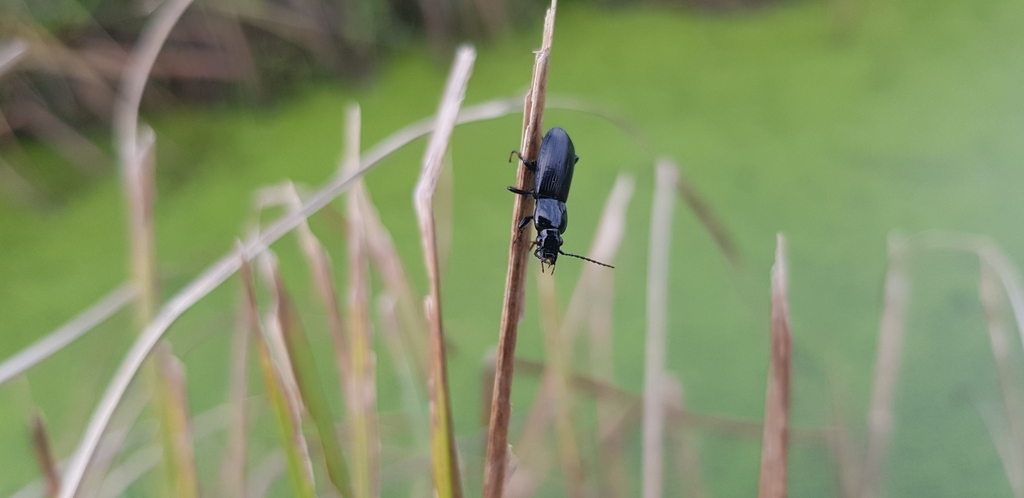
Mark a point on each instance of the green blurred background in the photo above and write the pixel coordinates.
(832, 122)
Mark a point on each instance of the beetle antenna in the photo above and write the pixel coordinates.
(584, 258)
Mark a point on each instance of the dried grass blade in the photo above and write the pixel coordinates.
(44, 455)
(775, 442)
(887, 365)
(515, 277)
(67, 333)
(447, 483)
(709, 220)
(310, 388)
(657, 315)
(988, 292)
(175, 419)
(323, 281)
(232, 483)
(222, 269)
(286, 415)
(362, 392)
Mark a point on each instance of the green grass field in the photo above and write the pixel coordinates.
(912, 119)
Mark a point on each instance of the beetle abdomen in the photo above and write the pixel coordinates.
(555, 164)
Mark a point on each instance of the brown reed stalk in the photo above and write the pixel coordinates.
(560, 339)
(666, 177)
(447, 483)
(887, 365)
(44, 455)
(232, 478)
(362, 390)
(775, 442)
(515, 278)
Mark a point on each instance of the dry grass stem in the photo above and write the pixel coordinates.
(310, 387)
(44, 455)
(362, 391)
(657, 325)
(218, 272)
(991, 300)
(412, 400)
(67, 333)
(286, 412)
(688, 456)
(561, 400)
(176, 418)
(444, 455)
(122, 296)
(515, 278)
(709, 220)
(553, 398)
(323, 281)
(232, 482)
(887, 365)
(775, 442)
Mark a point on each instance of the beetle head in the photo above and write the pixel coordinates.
(549, 243)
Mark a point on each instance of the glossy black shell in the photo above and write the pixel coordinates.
(555, 164)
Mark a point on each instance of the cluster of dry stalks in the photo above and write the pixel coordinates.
(322, 456)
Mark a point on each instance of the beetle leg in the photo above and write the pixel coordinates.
(532, 165)
(524, 222)
(529, 193)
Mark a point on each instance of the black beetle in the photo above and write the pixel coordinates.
(553, 168)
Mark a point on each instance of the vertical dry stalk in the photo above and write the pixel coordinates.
(411, 327)
(412, 400)
(362, 392)
(561, 400)
(44, 455)
(310, 388)
(323, 281)
(988, 292)
(232, 482)
(548, 402)
(666, 177)
(688, 459)
(445, 458)
(515, 278)
(285, 409)
(137, 157)
(887, 365)
(775, 441)
(220, 271)
(613, 474)
(176, 417)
